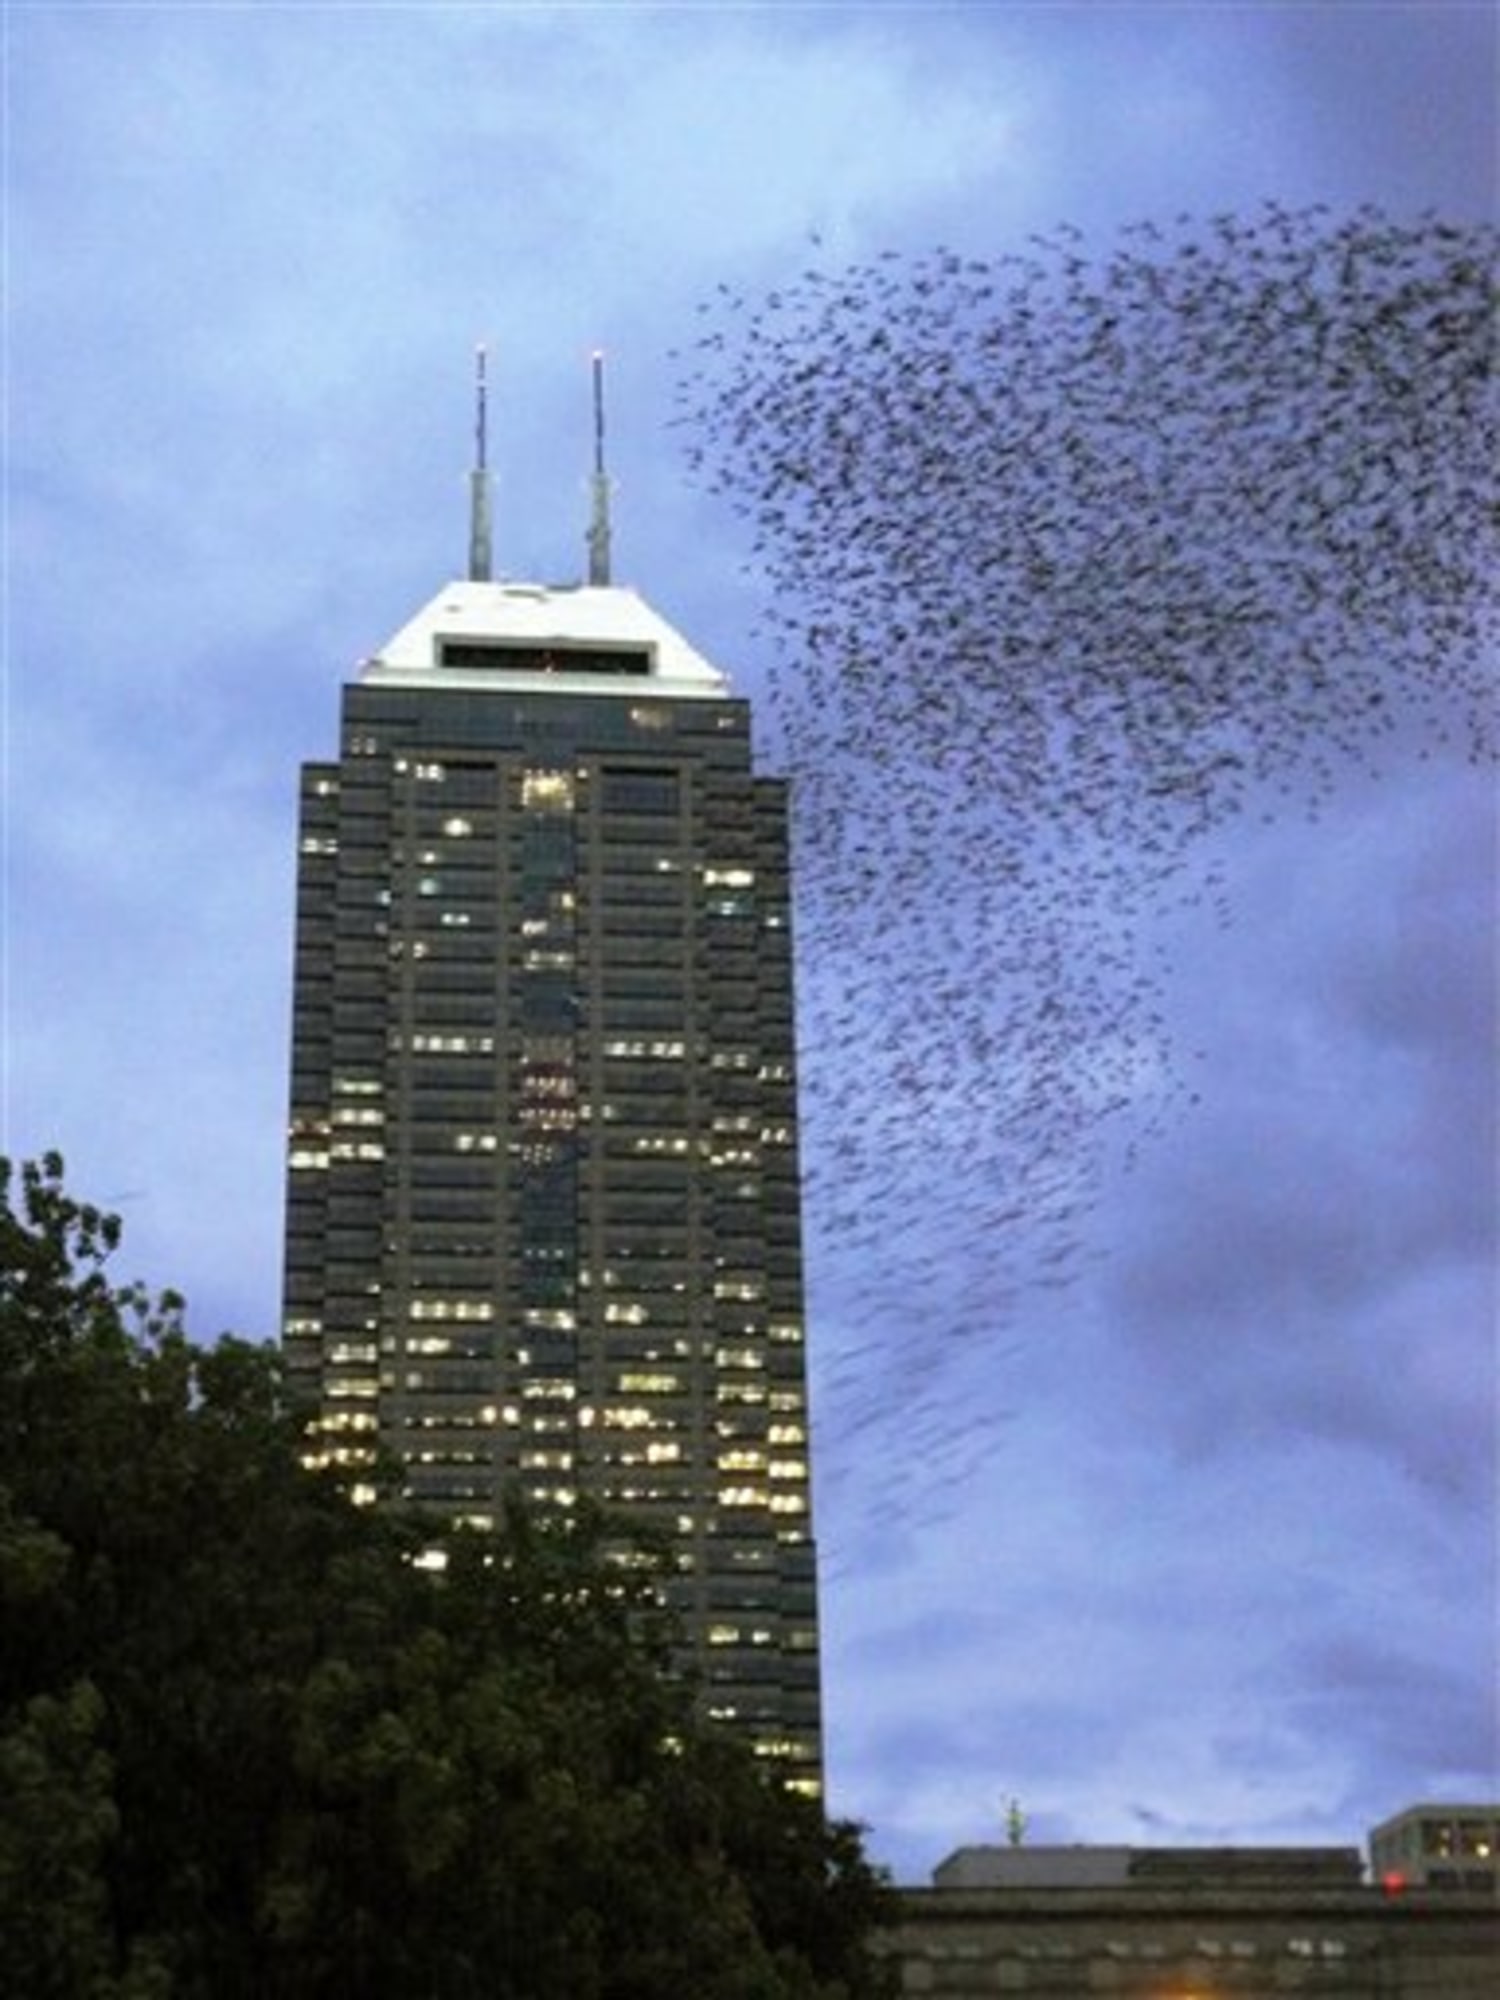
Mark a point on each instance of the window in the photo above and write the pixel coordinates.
(522, 659)
(547, 791)
(640, 791)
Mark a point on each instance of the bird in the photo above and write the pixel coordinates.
(1074, 556)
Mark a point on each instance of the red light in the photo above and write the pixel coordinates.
(1393, 1881)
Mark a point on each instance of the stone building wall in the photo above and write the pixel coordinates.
(1153, 1942)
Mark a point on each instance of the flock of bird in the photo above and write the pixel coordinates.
(1071, 558)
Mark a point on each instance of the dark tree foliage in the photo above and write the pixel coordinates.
(249, 1746)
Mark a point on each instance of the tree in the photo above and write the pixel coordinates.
(250, 1746)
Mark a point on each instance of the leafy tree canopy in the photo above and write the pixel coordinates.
(250, 1746)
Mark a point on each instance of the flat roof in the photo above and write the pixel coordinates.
(1098, 1867)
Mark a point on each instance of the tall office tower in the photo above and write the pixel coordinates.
(543, 1224)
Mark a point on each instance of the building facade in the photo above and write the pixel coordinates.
(543, 1226)
(1439, 1847)
(1187, 1924)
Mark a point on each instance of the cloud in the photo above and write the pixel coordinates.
(1389, 1702)
(1193, 1544)
(1434, 141)
(1349, 1154)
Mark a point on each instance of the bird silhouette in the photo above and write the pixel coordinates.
(1073, 556)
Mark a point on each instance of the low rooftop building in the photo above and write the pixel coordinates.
(1439, 1847)
(1089, 1867)
(1174, 1923)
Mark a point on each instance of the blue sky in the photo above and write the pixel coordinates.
(1200, 1546)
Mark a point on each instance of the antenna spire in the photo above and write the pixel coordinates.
(480, 557)
(598, 537)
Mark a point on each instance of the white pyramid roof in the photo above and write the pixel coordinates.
(588, 618)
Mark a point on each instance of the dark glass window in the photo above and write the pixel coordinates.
(543, 659)
(640, 791)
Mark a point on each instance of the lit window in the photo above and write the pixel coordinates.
(627, 1417)
(452, 1308)
(547, 791)
(742, 1461)
(738, 1357)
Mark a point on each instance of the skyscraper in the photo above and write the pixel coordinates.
(543, 1226)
